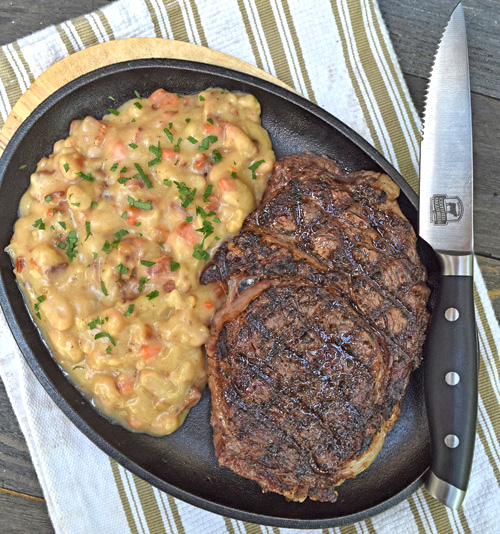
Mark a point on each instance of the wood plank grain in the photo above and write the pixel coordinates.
(490, 270)
(486, 139)
(16, 468)
(415, 29)
(23, 516)
(22, 17)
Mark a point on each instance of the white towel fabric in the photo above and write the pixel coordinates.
(318, 52)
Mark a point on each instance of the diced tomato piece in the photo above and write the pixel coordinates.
(208, 305)
(164, 99)
(149, 351)
(227, 184)
(188, 233)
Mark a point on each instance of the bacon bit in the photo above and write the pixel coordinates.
(208, 305)
(169, 286)
(198, 164)
(125, 386)
(162, 99)
(119, 151)
(213, 202)
(227, 185)
(149, 351)
(188, 233)
(20, 264)
(169, 154)
(193, 397)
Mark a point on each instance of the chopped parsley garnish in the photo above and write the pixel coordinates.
(233, 174)
(71, 244)
(142, 283)
(129, 311)
(137, 223)
(62, 224)
(206, 229)
(207, 192)
(202, 98)
(121, 269)
(137, 95)
(205, 144)
(174, 265)
(120, 233)
(48, 198)
(114, 167)
(94, 204)
(140, 204)
(66, 167)
(123, 169)
(166, 182)
(87, 228)
(211, 121)
(105, 334)
(124, 215)
(113, 111)
(23, 166)
(41, 298)
(123, 180)
(192, 140)
(186, 195)
(216, 155)
(168, 133)
(199, 253)
(88, 177)
(106, 246)
(39, 224)
(189, 219)
(132, 145)
(255, 166)
(200, 211)
(108, 350)
(156, 150)
(153, 294)
(103, 289)
(187, 120)
(217, 220)
(94, 255)
(137, 105)
(112, 98)
(144, 176)
(176, 147)
(77, 204)
(148, 263)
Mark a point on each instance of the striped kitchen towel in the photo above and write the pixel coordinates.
(340, 57)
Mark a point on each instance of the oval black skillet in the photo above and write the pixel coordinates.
(183, 464)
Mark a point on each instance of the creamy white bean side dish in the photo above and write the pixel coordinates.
(114, 230)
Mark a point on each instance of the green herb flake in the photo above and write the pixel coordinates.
(123, 169)
(234, 175)
(129, 311)
(88, 177)
(132, 145)
(39, 224)
(71, 244)
(217, 220)
(137, 223)
(87, 228)
(113, 111)
(106, 246)
(123, 180)
(192, 140)
(142, 282)
(205, 144)
(136, 93)
(202, 99)
(144, 176)
(105, 334)
(199, 253)
(189, 219)
(174, 265)
(186, 195)
(66, 167)
(254, 167)
(207, 192)
(153, 294)
(48, 198)
(112, 98)
(23, 166)
(211, 121)
(114, 167)
(216, 155)
(124, 215)
(148, 263)
(41, 298)
(188, 120)
(94, 204)
(62, 224)
(156, 150)
(137, 105)
(120, 233)
(103, 289)
(108, 350)
(166, 182)
(94, 255)
(140, 204)
(169, 134)
(177, 147)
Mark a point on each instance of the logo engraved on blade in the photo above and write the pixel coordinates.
(445, 209)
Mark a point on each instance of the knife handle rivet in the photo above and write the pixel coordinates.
(452, 378)
(451, 441)
(451, 314)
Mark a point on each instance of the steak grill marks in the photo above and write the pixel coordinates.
(325, 319)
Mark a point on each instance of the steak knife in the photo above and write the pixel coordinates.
(445, 222)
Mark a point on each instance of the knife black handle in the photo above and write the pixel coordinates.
(451, 383)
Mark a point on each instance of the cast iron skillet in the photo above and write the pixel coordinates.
(183, 464)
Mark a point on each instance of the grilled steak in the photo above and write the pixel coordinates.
(325, 319)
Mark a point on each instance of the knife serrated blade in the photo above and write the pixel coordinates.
(446, 223)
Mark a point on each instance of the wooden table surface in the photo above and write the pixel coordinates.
(415, 28)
